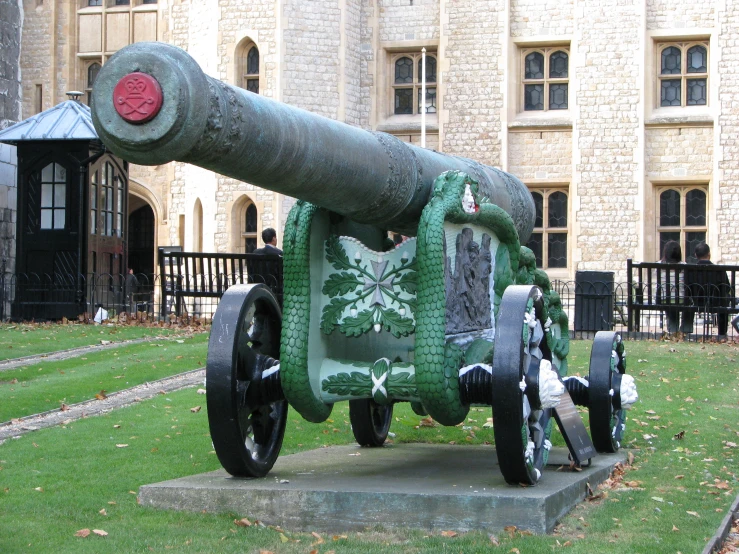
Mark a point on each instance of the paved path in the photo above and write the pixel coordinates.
(126, 397)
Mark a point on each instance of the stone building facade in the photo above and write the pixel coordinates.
(11, 21)
(620, 115)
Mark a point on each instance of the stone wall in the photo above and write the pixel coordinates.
(536, 155)
(607, 123)
(473, 99)
(535, 18)
(311, 69)
(675, 152)
(403, 20)
(11, 22)
(727, 191)
(668, 14)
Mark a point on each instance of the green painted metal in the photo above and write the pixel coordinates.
(437, 363)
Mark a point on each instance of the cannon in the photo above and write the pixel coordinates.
(455, 315)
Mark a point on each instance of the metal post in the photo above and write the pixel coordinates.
(423, 98)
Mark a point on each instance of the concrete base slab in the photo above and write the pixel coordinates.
(421, 486)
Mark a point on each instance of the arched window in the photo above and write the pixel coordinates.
(92, 72)
(407, 84)
(248, 69)
(682, 218)
(549, 239)
(249, 234)
(545, 79)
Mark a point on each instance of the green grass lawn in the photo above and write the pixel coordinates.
(18, 340)
(49, 384)
(683, 434)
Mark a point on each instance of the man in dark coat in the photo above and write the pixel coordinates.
(708, 289)
(269, 236)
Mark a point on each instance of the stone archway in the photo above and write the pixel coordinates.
(141, 236)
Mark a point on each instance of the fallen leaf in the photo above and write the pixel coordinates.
(103, 512)
(196, 409)
(674, 528)
(82, 533)
(283, 538)
(116, 426)
(658, 499)
(100, 532)
(39, 489)
(494, 541)
(449, 534)
(695, 514)
(64, 407)
(101, 395)
(243, 522)
(201, 391)
(510, 529)
(427, 422)
(318, 537)
(679, 436)
(121, 445)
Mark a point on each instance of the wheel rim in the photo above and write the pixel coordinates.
(521, 439)
(607, 359)
(246, 426)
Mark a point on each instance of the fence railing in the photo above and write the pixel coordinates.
(591, 307)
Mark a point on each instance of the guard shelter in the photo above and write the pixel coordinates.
(72, 219)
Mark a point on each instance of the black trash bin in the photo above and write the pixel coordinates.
(593, 300)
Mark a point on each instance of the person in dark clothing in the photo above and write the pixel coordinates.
(131, 284)
(671, 288)
(269, 236)
(709, 290)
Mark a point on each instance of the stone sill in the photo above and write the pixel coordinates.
(537, 123)
(679, 119)
(408, 124)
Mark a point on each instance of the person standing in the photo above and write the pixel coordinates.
(269, 236)
(131, 284)
(710, 289)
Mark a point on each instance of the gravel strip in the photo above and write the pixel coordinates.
(13, 363)
(126, 397)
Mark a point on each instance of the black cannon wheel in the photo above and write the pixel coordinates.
(606, 366)
(519, 429)
(246, 428)
(370, 421)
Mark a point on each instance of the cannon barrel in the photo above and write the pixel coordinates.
(152, 104)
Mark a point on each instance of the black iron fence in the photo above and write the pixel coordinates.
(591, 306)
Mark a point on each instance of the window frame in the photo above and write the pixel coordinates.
(684, 76)
(547, 190)
(53, 207)
(249, 235)
(546, 51)
(682, 189)
(416, 85)
(243, 77)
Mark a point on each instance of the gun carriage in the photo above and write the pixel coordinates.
(456, 315)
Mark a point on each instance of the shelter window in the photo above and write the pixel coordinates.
(407, 80)
(94, 202)
(682, 218)
(549, 239)
(53, 196)
(683, 74)
(250, 229)
(546, 78)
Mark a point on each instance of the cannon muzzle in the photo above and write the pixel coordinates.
(152, 104)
